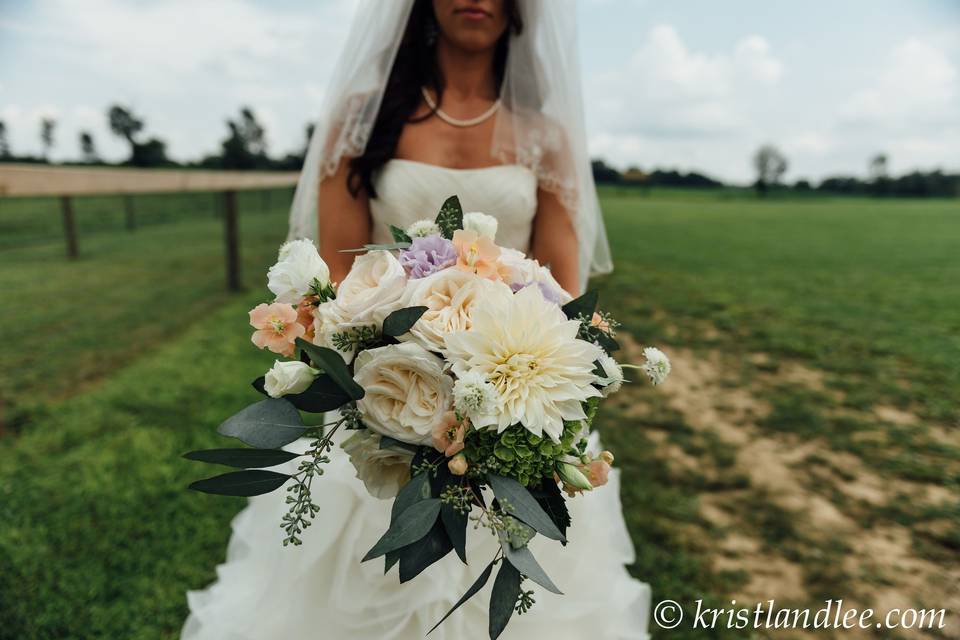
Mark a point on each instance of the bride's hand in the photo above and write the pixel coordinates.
(344, 222)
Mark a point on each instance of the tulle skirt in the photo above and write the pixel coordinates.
(321, 590)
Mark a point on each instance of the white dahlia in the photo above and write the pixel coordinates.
(527, 349)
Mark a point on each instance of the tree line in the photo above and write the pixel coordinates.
(245, 147)
(770, 165)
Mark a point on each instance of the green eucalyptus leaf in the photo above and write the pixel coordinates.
(518, 502)
(503, 598)
(392, 246)
(400, 321)
(416, 557)
(242, 483)
(526, 564)
(455, 524)
(411, 525)
(399, 235)
(242, 458)
(450, 217)
(472, 591)
(268, 424)
(585, 305)
(333, 365)
(321, 396)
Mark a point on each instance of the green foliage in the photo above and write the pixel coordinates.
(252, 482)
(450, 218)
(516, 453)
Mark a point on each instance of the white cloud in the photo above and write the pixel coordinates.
(916, 85)
(665, 88)
(184, 66)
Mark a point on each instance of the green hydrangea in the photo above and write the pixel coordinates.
(517, 453)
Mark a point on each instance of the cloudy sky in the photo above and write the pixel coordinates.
(694, 85)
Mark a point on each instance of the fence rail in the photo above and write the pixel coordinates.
(24, 180)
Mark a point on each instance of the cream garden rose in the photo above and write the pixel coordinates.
(450, 296)
(382, 471)
(372, 289)
(483, 224)
(407, 391)
(298, 267)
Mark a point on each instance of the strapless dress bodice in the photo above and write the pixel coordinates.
(408, 191)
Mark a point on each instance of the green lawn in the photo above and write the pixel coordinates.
(114, 365)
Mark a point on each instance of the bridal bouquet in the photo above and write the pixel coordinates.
(468, 378)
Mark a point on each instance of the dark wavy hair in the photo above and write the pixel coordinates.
(415, 66)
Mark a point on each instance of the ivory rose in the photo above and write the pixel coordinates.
(299, 266)
(407, 392)
(382, 471)
(483, 224)
(286, 377)
(372, 289)
(450, 296)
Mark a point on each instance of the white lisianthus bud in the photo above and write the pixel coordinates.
(298, 271)
(423, 228)
(612, 378)
(573, 477)
(288, 377)
(458, 464)
(483, 224)
(657, 365)
(475, 398)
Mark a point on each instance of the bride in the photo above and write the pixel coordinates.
(478, 98)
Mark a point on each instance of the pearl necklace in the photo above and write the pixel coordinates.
(456, 122)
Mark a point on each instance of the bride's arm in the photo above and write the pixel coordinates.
(554, 241)
(344, 222)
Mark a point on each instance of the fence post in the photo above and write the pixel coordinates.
(128, 210)
(232, 239)
(69, 227)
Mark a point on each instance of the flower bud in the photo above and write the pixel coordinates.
(607, 457)
(573, 477)
(458, 464)
(288, 377)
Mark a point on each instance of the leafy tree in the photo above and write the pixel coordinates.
(4, 143)
(770, 165)
(88, 148)
(245, 146)
(47, 126)
(125, 124)
(877, 170)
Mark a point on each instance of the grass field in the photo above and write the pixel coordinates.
(805, 448)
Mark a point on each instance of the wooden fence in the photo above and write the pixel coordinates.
(22, 180)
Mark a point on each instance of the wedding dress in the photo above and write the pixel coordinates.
(320, 590)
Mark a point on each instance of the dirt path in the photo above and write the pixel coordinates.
(805, 522)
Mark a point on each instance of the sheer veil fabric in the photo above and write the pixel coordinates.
(540, 125)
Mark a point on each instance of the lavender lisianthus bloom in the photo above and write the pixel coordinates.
(550, 294)
(428, 255)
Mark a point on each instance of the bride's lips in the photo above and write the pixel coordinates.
(473, 13)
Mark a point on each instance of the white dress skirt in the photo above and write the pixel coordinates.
(321, 590)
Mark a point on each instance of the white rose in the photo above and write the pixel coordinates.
(524, 271)
(407, 391)
(423, 228)
(298, 265)
(450, 296)
(288, 377)
(372, 289)
(483, 224)
(383, 471)
(612, 378)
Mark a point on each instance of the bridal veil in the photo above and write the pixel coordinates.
(541, 124)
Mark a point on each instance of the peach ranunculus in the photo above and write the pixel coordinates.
(598, 321)
(478, 254)
(276, 327)
(306, 314)
(448, 435)
(598, 470)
